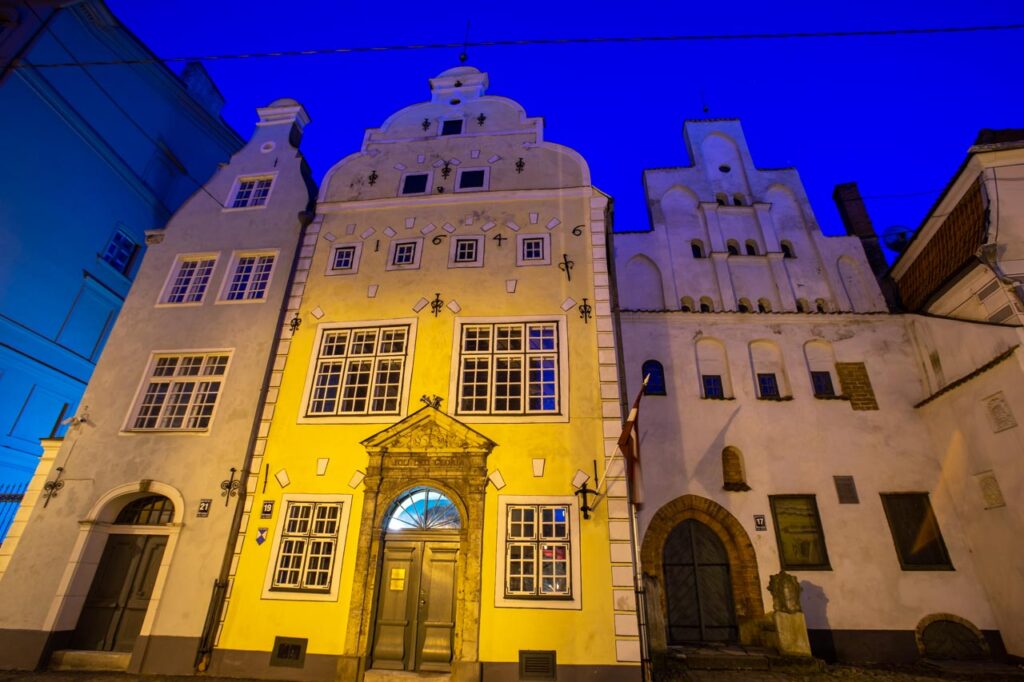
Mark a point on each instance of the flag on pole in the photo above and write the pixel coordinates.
(629, 445)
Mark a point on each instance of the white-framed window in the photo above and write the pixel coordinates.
(538, 559)
(404, 254)
(466, 252)
(472, 179)
(359, 371)
(533, 249)
(189, 279)
(510, 367)
(179, 392)
(251, 191)
(415, 182)
(248, 277)
(344, 259)
(120, 252)
(307, 549)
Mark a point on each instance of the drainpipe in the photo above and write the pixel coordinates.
(220, 585)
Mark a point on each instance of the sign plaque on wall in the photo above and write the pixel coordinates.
(759, 522)
(268, 509)
(204, 508)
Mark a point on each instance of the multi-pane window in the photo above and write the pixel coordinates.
(798, 532)
(509, 368)
(537, 551)
(822, 382)
(533, 248)
(181, 392)
(359, 371)
(250, 279)
(252, 192)
(915, 531)
(120, 251)
(190, 279)
(404, 254)
(767, 386)
(308, 546)
(466, 250)
(343, 258)
(713, 387)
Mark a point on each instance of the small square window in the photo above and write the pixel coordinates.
(767, 386)
(713, 387)
(252, 192)
(405, 253)
(120, 252)
(466, 252)
(452, 127)
(415, 183)
(344, 258)
(822, 384)
(473, 179)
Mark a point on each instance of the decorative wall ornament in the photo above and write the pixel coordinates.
(520, 165)
(282, 478)
(420, 305)
(425, 124)
(481, 118)
(586, 310)
(1000, 415)
(431, 401)
(500, 238)
(436, 305)
(317, 312)
(372, 179)
(446, 170)
(356, 479)
(229, 488)
(566, 266)
(321, 465)
(990, 490)
(51, 488)
(295, 323)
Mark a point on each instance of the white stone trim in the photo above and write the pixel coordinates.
(229, 273)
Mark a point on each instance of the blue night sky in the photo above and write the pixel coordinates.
(895, 114)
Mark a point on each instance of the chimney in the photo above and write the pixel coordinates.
(858, 224)
(201, 88)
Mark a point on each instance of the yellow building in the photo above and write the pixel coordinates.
(447, 380)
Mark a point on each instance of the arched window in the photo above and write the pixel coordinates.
(423, 509)
(733, 247)
(697, 247)
(769, 374)
(655, 374)
(751, 247)
(737, 199)
(820, 305)
(802, 306)
(821, 363)
(706, 306)
(734, 475)
(722, 198)
(686, 304)
(764, 305)
(152, 510)
(714, 370)
(744, 306)
(787, 249)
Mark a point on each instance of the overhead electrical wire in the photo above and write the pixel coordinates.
(544, 41)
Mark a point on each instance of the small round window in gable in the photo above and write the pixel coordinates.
(725, 168)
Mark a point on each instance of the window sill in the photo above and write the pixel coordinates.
(795, 569)
(775, 398)
(241, 301)
(831, 397)
(190, 432)
(704, 397)
(235, 209)
(536, 598)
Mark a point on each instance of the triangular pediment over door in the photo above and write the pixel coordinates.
(429, 430)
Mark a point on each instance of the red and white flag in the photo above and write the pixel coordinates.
(629, 445)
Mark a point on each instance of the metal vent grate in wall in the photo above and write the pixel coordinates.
(1004, 313)
(289, 651)
(536, 665)
(846, 489)
(989, 289)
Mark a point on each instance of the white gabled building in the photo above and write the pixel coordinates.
(779, 430)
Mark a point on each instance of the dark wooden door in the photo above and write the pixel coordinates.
(415, 622)
(119, 596)
(698, 589)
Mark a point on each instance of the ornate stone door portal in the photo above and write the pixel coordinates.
(416, 593)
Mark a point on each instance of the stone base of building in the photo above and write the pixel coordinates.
(509, 672)
(159, 655)
(30, 649)
(256, 664)
(880, 646)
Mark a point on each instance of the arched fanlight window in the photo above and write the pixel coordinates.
(733, 247)
(686, 304)
(697, 248)
(787, 250)
(802, 305)
(744, 306)
(751, 247)
(722, 198)
(424, 509)
(706, 305)
(656, 380)
(821, 306)
(764, 305)
(152, 510)
(737, 199)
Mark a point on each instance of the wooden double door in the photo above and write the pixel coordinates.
(415, 618)
(112, 616)
(698, 587)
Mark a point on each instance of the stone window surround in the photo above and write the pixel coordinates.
(179, 260)
(546, 260)
(307, 595)
(483, 188)
(417, 257)
(127, 428)
(356, 257)
(478, 263)
(429, 189)
(574, 603)
(272, 176)
(230, 273)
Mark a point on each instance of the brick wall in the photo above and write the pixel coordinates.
(853, 376)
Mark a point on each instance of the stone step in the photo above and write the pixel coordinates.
(404, 676)
(70, 659)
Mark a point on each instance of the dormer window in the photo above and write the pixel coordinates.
(415, 183)
(453, 127)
